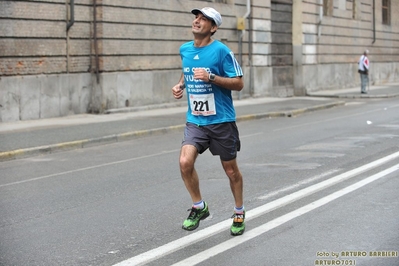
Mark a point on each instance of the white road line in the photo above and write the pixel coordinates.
(298, 184)
(87, 168)
(251, 135)
(180, 243)
(202, 256)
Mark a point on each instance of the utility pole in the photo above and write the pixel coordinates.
(299, 89)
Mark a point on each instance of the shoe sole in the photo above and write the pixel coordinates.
(238, 233)
(196, 226)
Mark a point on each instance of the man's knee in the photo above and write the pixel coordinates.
(186, 163)
(187, 159)
(234, 176)
(231, 170)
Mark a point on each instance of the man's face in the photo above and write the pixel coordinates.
(202, 25)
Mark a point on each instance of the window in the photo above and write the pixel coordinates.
(386, 18)
(328, 7)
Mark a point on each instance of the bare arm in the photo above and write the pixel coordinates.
(177, 90)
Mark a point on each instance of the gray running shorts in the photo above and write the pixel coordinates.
(221, 139)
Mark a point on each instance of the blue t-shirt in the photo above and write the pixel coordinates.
(208, 103)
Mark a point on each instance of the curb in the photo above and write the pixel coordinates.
(80, 144)
(363, 96)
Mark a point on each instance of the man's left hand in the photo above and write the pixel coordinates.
(201, 74)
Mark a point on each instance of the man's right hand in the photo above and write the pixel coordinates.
(178, 91)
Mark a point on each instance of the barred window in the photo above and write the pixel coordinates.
(386, 18)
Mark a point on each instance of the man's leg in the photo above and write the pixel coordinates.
(236, 182)
(199, 210)
(363, 79)
(361, 83)
(188, 155)
(236, 185)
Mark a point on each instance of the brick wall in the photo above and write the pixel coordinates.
(131, 35)
(33, 38)
(145, 35)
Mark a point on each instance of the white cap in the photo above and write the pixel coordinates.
(210, 13)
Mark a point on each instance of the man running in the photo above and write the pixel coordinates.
(210, 73)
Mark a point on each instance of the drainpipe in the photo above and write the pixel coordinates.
(242, 35)
(246, 16)
(320, 18)
(251, 89)
(373, 21)
(72, 14)
(95, 40)
(71, 18)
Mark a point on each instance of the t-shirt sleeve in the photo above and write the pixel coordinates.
(231, 67)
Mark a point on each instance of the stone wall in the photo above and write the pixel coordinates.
(125, 53)
(334, 42)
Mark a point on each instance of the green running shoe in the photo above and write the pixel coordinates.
(238, 226)
(194, 218)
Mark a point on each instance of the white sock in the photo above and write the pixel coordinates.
(239, 210)
(199, 204)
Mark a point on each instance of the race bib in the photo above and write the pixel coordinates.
(202, 104)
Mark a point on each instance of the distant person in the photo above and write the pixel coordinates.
(363, 69)
(210, 74)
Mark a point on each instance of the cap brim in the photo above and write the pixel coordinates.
(196, 11)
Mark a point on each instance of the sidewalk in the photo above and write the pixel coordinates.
(382, 91)
(31, 138)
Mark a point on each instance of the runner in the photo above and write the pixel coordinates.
(210, 73)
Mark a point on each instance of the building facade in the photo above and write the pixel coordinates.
(63, 57)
